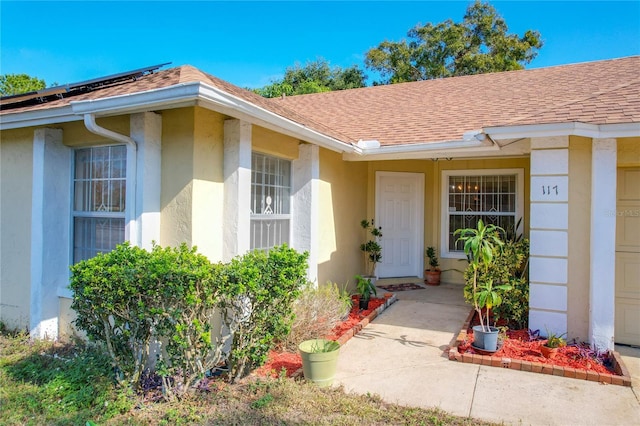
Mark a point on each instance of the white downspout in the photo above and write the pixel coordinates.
(132, 160)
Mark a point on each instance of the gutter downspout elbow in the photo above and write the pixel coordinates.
(92, 126)
(132, 161)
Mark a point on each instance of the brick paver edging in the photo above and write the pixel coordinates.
(622, 377)
(390, 299)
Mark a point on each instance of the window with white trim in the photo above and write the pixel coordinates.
(495, 196)
(99, 194)
(270, 201)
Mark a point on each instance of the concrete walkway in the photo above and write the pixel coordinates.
(399, 356)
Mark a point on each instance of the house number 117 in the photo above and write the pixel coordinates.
(548, 189)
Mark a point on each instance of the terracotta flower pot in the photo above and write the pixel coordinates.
(432, 277)
(548, 352)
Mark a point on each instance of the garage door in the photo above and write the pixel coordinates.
(627, 329)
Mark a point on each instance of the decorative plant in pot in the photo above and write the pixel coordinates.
(480, 246)
(432, 275)
(554, 342)
(319, 360)
(371, 248)
(365, 288)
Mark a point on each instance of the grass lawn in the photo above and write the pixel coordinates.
(42, 383)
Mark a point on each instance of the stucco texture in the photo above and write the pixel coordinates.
(16, 165)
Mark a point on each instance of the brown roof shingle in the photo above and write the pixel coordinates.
(602, 92)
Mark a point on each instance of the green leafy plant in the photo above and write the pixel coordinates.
(257, 303)
(555, 340)
(481, 244)
(371, 248)
(433, 259)
(365, 288)
(112, 306)
(184, 294)
(127, 296)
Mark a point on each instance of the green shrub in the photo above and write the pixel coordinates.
(127, 296)
(257, 303)
(317, 311)
(183, 296)
(112, 306)
(509, 266)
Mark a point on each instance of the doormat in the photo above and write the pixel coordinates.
(401, 287)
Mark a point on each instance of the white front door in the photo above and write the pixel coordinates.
(399, 210)
(627, 322)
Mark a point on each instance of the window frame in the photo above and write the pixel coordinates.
(445, 251)
(271, 216)
(129, 197)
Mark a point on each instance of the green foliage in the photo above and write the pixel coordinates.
(315, 77)
(124, 297)
(479, 44)
(110, 297)
(511, 267)
(371, 248)
(15, 84)
(481, 245)
(257, 303)
(59, 383)
(365, 287)
(433, 258)
(182, 294)
(555, 340)
(317, 311)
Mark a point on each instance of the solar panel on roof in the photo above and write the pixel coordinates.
(65, 90)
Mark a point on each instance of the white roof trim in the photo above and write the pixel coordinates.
(197, 93)
(37, 118)
(442, 149)
(563, 129)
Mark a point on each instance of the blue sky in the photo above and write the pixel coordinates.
(251, 43)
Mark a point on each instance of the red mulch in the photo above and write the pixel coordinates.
(292, 362)
(519, 346)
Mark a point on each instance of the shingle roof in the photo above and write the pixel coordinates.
(602, 92)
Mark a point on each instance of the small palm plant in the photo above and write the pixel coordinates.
(480, 246)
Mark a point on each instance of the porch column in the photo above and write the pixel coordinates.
(549, 225)
(306, 187)
(50, 213)
(237, 188)
(146, 130)
(603, 243)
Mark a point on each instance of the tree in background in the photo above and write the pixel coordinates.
(479, 44)
(14, 84)
(316, 76)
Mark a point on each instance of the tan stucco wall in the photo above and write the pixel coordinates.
(76, 134)
(192, 180)
(629, 152)
(432, 171)
(343, 204)
(16, 170)
(269, 142)
(579, 237)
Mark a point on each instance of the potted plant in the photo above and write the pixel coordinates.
(554, 342)
(365, 287)
(319, 360)
(432, 274)
(371, 248)
(480, 246)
